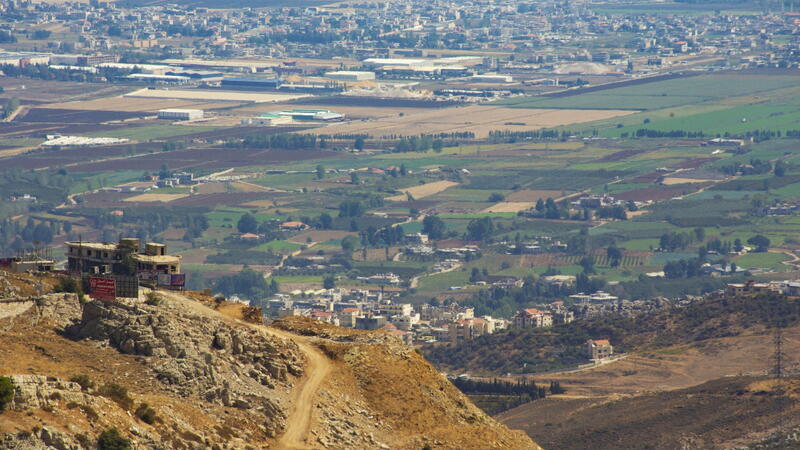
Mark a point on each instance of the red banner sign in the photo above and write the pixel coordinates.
(102, 288)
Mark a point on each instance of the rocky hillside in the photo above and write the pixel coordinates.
(184, 372)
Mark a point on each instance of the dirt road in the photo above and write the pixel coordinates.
(318, 366)
(300, 418)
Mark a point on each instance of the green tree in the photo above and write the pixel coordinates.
(247, 224)
(780, 168)
(6, 392)
(359, 143)
(614, 255)
(11, 105)
(496, 197)
(320, 171)
(349, 244)
(587, 262)
(434, 227)
(110, 439)
(699, 234)
(351, 208)
(480, 229)
(329, 282)
(761, 242)
(438, 146)
(325, 221)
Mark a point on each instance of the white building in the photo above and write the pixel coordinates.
(180, 114)
(492, 78)
(266, 120)
(349, 75)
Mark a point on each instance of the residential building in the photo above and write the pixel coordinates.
(532, 318)
(121, 257)
(598, 349)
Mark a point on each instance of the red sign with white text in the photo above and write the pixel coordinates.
(103, 288)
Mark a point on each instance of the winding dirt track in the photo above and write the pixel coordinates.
(317, 368)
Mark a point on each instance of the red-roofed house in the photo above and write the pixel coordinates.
(324, 316)
(347, 317)
(532, 318)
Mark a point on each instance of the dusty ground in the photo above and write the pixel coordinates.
(677, 180)
(478, 119)
(164, 198)
(320, 236)
(208, 95)
(134, 104)
(423, 190)
(509, 207)
(532, 195)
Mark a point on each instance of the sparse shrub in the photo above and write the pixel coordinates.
(153, 299)
(6, 392)
(56, 396)
(117, 393)
(83, 440)
(68, 284)
(83, 380)
(72, 405)
(112, 440)
(91, 414)
(146, 414)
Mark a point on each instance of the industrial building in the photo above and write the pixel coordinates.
(312, 114)
(155, 78)
(180, 114)
(155, 69)
(23, 59)
(492, 78)
(348, 75)
(196, 74)
(266, 120)
(251, 83)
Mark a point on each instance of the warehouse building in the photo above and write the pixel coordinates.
(23, 59)
(155, 78)
(312, 114)
(251, 83)
(180, 114)
(492, 78)
(348, 75)
(267, 120)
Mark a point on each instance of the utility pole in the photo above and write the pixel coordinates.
(778, 372)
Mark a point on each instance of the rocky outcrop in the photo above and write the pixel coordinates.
(197, 356)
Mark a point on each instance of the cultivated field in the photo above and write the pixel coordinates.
(504, 207)
(530, 195)
(211, 95)
(163, 198)
(423, 190)
(477, 119)
(642, 95)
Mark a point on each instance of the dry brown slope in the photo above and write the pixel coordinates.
(724, 413)
(214, 379)
(410, 400)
